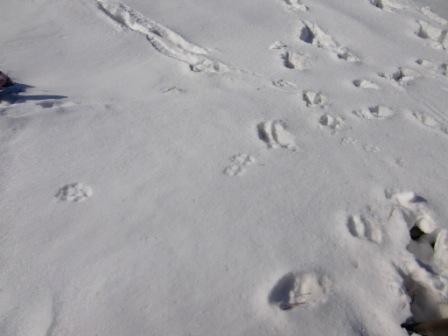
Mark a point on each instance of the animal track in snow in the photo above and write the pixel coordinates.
(387, 5)
(238, 165)
(441, 69)
(295, 5)
(437, 36)
(428, 121)
(365, 228)
(297, 61)
(281, 83)
(349, 141)
(402, 76)
(368, 148)
(444, 69)
(301, 288)
(371, 148)
(365, 84)
(164, 40)
(433, 16)
(314, 99)
(331, 122)
(374, 112)
(312, 34)
(274, 133)
(74, 192)
(277, 45)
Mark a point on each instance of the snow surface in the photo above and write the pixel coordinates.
(212, 167)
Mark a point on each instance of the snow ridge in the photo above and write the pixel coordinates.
(164, 40)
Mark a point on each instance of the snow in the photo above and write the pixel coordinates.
(223, 168)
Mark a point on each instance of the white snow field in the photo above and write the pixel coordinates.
(207, 167)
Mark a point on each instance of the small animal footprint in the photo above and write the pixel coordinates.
(365, 84)
(295, 5)
(387, 5)
(238, 164)
(441, 69)
(371, 148)
(333, 123)
(274, 133)
(297, 61)
(402, 76)
(363, 228)
(301, 288)
(278, 45)
(314, 99)
(281, 83)
(374, 112)
(74, 192)
(428, 121)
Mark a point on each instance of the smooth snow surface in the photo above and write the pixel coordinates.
(210, 167)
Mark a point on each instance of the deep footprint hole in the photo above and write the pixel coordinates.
(307, 35)
(280, 293)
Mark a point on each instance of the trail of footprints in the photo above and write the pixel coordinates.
(311, 33)
(74, 192)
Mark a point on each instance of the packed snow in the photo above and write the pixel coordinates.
(211, 167)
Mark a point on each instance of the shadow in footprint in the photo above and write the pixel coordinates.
(280, 294)
(12, 95)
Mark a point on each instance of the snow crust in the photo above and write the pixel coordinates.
(212, 167)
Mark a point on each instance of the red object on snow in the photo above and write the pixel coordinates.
(5, 81)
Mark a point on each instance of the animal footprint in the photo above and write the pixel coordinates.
(74, 192)
(365, 84)
(295, 5)
(436, 36)
(311, 33)
(374, 112)
(297, 61)
(277, 45)
(428, 121)
(387, 5)
(238, 164)
(363, 228)
(441, 69)
(302, 288)
(281, 83)
(371, 148)
(402, 76)
(333, 123)
(433, 16)
(313, 99)
(274, 133)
